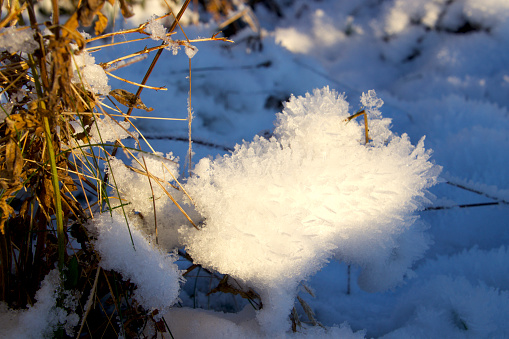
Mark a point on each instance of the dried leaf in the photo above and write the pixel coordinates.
(225, 287)
(101, 23)
(128, 99)
(95, 4)
(88, 10)
(160, 326)
(13, 160)
(7, 210)
(71, 30)
(126, 9)
(67, 181)
(46, 196)
(15, 122)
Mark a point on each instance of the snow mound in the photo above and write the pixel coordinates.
(448, 307)
(43, 318)
(133, 187)
(277, 210)
(125, 249)
(196, 323)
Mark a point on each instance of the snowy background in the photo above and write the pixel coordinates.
(441, 69)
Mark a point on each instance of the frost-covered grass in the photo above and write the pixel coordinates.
(372, 238)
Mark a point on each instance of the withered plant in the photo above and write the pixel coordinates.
(51, 179)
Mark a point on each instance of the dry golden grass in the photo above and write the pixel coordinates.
(51, 180)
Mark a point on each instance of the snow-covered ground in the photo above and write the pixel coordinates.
(441, 69)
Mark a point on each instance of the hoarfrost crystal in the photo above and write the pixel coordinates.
(278, 210)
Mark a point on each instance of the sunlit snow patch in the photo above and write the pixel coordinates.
(128, 251)
(277, 210)
(87, 72)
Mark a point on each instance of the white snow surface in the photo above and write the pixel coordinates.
(441, 69)
(190, 323)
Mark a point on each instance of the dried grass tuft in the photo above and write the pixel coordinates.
(51, 180)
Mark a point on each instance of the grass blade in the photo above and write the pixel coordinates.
(58, 199)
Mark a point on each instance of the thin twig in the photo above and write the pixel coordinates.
(473, 190)
(480, 204)
(153, 198)
(135, 83)
(89, 303)
(363, 112)
(124, 116)
(154, 61)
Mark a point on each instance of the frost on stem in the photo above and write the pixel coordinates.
(372, 103)
(158, 32)
(191, 51)
(278, 210)
(15, 40)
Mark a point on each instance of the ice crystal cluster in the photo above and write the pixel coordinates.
(277, 210)
(15, 40)
(159, 32)
(124, 238)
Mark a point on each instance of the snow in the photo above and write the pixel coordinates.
(372, 103)
(439, 67)
(276, 210)
(191, 51)
(44, 317)
(92, 76)
(14, 39)
(189, 323)
(124, 248)
(453, 306)
(157, 30)
(107, 130)
(133, 187)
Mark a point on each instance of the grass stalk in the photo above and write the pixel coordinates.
(57, 197)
